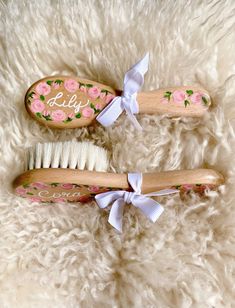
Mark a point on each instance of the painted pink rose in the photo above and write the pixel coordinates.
(87, 112)
(109, 98)
(67, 186)
(37, 106)
(46, 113)
(58, 115)
(188, 187)
(84, 198)
(21, 191)
(201, 189)
(71, 85)
(60, 200)
(43, 88)
(55, 85)
(71, 115)
(35, 96)
(102, 95)
(164, 101)
(39, 185)
(94, 189)
(94, 92)
(83, 89)
(35, 199)
(196, 98)
(98, 106)
(178, 96)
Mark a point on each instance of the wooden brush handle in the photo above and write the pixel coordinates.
(166, 179)
(74, 185)
(151, 181)
(188, 101)
(69, 102)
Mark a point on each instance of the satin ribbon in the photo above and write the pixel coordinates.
(133, 81)
(150, 208)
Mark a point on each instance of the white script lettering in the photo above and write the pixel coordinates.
(72, 103)
(46, 194)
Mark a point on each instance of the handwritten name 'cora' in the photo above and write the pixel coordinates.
(46, 194)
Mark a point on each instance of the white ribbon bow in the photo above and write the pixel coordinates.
(150, 208)
(133, 81)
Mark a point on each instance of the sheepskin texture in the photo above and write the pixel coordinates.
(67, 255)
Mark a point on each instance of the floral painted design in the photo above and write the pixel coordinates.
(197, 188)
(38, 99)
(63, 192)
(71, 85)
(59, 192)
(186, 97)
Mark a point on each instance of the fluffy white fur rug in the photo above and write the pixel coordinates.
(68, 255)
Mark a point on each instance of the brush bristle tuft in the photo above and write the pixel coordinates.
(69, 154)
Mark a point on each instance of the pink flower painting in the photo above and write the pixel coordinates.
(94, 189)
(98, 106)
(46, 113)
(83, 89)
(21, 191)
(37, 106)
(178, 96)
(58, 115)
(87, 112)
(43, 88)
(109, 98)
(71, 85)
(35, 199)
(196, 98)
(39, 185)
(67, 186)
(94, 92)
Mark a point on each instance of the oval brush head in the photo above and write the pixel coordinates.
(53, 159)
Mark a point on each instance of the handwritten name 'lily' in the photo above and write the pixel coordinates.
(72, 103)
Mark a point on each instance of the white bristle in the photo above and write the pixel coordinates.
(47, 154)
(101, 164)
(38, 155)
(74, 150)
(64, 161)
(70, 154)
(91, 161)
(56, 154)
(82, 157)
(31, 159)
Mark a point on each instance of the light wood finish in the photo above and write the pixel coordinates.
(151, 181)
(151, 102)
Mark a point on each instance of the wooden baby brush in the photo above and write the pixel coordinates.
(71, 102)
(77, 171)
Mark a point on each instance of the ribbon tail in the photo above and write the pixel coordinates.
(133, 119)
(130, 110)
(142, 65)
(162, 192)
(150, 208)
(134, 78)
(111, 112)
(116, 213)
